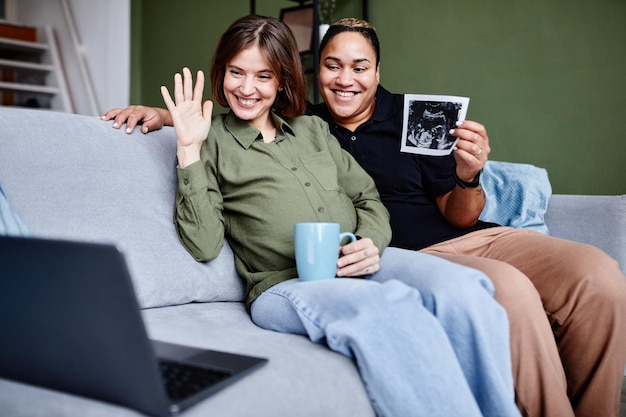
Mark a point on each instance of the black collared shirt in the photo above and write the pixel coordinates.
(407, 183)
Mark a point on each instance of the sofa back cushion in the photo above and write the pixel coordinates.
(75, 177)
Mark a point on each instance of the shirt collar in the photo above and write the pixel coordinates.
(384, 105)
(246, 134)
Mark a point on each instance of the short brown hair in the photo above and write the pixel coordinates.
(278, 45)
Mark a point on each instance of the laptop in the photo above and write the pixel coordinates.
(70, 321)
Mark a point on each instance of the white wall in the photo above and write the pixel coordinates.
(103, 29)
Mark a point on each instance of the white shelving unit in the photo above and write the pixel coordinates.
(38, 79)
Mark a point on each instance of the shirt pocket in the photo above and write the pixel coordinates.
(322, 167)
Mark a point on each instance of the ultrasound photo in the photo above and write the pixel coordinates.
(427, 123)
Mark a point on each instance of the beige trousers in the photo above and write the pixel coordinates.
(566, 303)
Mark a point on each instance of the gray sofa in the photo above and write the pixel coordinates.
(74, 177)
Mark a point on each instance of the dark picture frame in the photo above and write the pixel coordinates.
(300, 20)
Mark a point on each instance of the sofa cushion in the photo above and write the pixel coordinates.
(301, 379)
(297, 369)
(75, 177)
(517, 195)
(598, 220)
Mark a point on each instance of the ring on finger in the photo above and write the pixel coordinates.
(480, 150)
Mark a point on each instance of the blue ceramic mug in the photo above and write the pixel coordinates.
(317, 249)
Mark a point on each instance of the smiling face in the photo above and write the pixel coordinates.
(348, 78)
(250, 87)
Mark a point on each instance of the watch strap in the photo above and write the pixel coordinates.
(464, 184)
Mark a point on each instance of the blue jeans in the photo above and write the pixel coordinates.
(425, 333)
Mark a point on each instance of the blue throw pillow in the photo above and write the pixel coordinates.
(10, 223)
(517, 195)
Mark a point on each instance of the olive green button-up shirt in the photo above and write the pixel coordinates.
(254, 192)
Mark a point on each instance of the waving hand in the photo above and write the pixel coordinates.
(192, 119)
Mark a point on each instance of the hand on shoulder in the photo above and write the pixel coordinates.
(150, 118)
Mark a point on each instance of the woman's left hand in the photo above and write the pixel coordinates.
(358, 258)
(472, 149)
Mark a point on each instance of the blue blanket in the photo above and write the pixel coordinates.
(10, 223)
(517, 195)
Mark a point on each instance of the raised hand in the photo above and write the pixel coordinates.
(462, 206)
(472, 149)
(191, 118)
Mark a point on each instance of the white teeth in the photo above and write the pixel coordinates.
(344, 93)
(247, 102)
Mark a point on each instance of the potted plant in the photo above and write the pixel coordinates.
(325, 10)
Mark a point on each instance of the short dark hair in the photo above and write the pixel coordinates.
(278, 45)
(351, 24)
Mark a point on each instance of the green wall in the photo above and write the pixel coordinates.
(547, 77)
(165, 37)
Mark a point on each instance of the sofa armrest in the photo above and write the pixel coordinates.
(597, 220)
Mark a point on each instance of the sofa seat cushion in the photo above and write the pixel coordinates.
(301, 378)
(297, 368)
(21, 400)
(75, 177)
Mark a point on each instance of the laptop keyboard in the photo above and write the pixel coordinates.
(183, 380)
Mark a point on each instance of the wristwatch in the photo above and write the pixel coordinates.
(463, 184)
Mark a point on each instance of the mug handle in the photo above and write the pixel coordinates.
(348, 235)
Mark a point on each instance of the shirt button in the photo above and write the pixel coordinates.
(320, 209)
(294, 168)
(307, 184)
(353, 138)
